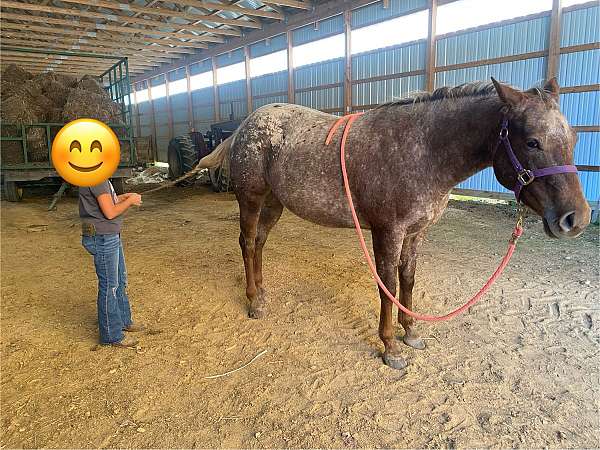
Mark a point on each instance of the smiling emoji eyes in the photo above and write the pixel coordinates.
(96, 145)
(75, 145)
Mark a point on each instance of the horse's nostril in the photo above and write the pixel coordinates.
(567, 221)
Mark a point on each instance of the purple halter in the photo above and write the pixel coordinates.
(526, 176)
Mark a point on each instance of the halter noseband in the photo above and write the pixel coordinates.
(526, 176)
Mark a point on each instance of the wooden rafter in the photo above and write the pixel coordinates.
(75, 12)
(164, 12)
(85, 59)
(231, 8)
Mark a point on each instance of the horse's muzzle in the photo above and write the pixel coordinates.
(567, 225)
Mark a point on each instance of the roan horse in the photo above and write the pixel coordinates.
(402, 159)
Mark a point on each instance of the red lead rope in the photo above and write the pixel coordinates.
(517, 232)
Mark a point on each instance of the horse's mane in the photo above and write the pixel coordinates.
(474, 89)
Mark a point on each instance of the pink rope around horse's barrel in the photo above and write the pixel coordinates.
(518, 231)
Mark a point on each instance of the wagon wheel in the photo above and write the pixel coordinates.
(12, 191)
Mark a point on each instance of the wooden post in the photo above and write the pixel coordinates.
(290, 59)
(348, 66)
(430, 61)
(248, 79)
(169, 111)
(215, 90)
(137, 111)
(191, 121)
(153, 117)
(554, 40)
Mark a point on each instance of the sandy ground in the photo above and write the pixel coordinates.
(520, 370)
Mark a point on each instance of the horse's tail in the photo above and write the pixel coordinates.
(210, 161)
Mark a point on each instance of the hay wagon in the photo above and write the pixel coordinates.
(26, 146)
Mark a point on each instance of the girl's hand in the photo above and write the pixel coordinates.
(135, 199)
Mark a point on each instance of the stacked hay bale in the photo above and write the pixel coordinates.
(48, 97)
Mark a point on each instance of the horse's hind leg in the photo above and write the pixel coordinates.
(387, 246)
(250, 207)
(269, 215)
(406, 274)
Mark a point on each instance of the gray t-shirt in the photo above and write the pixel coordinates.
(90, 212)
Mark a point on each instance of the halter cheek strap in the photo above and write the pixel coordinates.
(526, 176)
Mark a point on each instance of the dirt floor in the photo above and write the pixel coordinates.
(520, 370)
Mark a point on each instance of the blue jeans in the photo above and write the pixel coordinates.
(114, 313)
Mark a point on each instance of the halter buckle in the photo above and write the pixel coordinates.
(503, 132)
(525, 177)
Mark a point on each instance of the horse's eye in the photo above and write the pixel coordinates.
(75, 145)
(96, 145)
(533, 143)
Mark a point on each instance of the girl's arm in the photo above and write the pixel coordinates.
(111, 210)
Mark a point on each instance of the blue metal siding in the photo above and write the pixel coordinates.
(201, 67)
(483, 181)
(258, 102)
(386, 90)
(375, 12)
(523, 74)
(390, 60)
(322, 99)
(233, 96)
(229, 58)
(325, 72)
(581, 108)
(273, 82)
(580, 26)
(588, 68)
(179, 109)
(203, 106)
(590, 181)
(324, 28)
(587, 150)
(275, 44)
(512, 39)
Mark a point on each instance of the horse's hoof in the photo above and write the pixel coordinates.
(415, 342)
(394, 361)
(257, 313)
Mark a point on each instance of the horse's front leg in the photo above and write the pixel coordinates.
(406, 274)
(387, 246)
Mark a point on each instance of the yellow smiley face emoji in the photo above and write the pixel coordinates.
(86, 152)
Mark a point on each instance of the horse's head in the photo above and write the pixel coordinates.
(540, 138)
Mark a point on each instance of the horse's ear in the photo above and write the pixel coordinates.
(552, 88)
(507, 94)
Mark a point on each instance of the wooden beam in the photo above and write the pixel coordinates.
(348, 65)
(290, 60)
(584, 88)
(430, 61)
(191, 121)
(580, 47)
(119, 29)
(248, 79)
(554, 40)
(586, 128)
(389, 76)
(288, 3)
(137, 111)
(139, 55)
(169, 110)
(217, 106)
(115, 18)
(165, 12)
(75, 60)
(152, 118)
(485, 62)
(94, 34)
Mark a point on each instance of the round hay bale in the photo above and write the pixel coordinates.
(91, 84)
(56, 91)
(14, 73)
(66, 80)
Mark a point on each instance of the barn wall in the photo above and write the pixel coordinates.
(514, 51)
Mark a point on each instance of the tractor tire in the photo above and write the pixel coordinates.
(12, 192)
(182, 157)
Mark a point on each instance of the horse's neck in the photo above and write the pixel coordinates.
(461, 137)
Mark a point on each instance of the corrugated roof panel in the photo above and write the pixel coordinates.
(318, 74)
(523, 74)
(273, 82)
(267, 46)
(512, 39)
(375, 12)
(321, 29)
(389, 60)
(580, 68)
(230, 58)
(581, 108)
(386, 90)
(580, 26)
